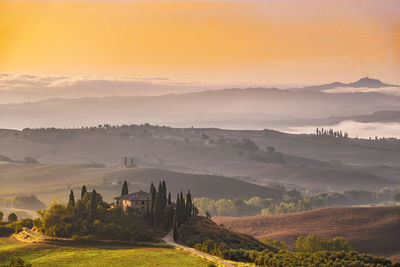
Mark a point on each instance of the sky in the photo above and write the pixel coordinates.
(271, 41)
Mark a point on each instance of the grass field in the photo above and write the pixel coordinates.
(54, 255)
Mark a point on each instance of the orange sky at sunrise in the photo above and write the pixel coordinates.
(280, 41)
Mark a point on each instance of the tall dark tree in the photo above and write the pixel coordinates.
(71, 200)
(169, 199)
(177, 211)
(83, 191)
(181, 208)
(175, 226)
(153, 193)
(124, 189)
(93, 204)
(189, 205)
(147, 209)
(164, 195)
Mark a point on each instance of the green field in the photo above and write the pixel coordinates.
(54, 255)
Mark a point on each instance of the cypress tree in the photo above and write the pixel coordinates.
(93, 204)
(147, 209)
(83, 191)
(169, 199)
(175, 226)
(177, 211)
(181, 208)
(188, 205)
(153, 200)
(71, 201)
(124, 189)
(164, 195)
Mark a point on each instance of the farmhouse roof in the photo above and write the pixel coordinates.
(141, 195)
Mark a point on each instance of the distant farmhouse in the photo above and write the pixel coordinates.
(135, 202)
(127, 162)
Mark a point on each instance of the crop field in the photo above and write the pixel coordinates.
(55, 255)
(369, 229)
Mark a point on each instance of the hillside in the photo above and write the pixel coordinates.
(52, 181)
(373, 230)
(316, 163)
(198, 229)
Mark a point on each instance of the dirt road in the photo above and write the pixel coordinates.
(170, 241)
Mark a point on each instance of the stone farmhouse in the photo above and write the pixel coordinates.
(136, 202)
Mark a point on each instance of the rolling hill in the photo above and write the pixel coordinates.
(373, 230)
(53, 181)
(316, 163)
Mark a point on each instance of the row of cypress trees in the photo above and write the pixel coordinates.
(82, 207)
(184, 210)
(162, 211)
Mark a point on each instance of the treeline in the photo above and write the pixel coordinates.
(90, 216)
(162, 209)
(251, 207)
(164, 213)
(313, 243)
(331, 132)
(352, 197)
(337, 256)
(293, 201)
(13, 224)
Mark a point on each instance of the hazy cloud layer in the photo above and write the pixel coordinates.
(392, 90)
(17, 88)
(362, 130)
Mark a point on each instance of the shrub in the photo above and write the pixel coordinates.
(12, 217)
(274, 243)
(18, 262)
(6, 230)
(83, 240)
(312, 243)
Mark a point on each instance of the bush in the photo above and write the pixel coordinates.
(274, 243)
(20, 224)
(83, 240)
(12, 217)
(299, 259)
(6, 230)
(18, 262)
(312, 243)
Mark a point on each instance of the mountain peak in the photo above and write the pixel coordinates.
(368, 82)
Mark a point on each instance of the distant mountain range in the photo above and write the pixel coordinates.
(363, 82)
(232, 105)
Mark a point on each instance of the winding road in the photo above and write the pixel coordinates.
(170, 241)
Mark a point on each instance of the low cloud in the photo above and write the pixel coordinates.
(18, 88)
(392, 90)
(353, 128)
